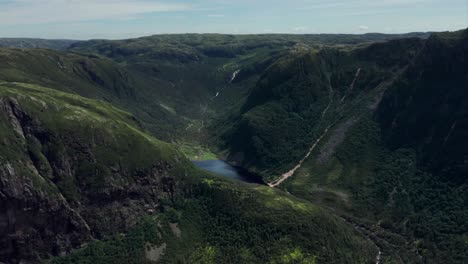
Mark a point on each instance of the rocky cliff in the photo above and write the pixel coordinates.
(70, 172)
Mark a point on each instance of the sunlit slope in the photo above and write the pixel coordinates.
(75, 170)
(94, 77)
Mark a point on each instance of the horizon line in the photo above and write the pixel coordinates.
(232, 34)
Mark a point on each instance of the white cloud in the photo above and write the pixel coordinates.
(299, 29)
(363, 27)
(48, 11)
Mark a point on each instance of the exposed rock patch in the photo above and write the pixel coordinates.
(154, 253)
(175, 229)
(10, 107)
(337, 137)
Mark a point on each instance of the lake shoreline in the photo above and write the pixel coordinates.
(224, 168)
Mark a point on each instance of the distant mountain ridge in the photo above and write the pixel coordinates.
(63, 44)
(36, 43)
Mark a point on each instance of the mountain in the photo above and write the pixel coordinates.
(391, 153)
(361, 139)
(201, 76)
(174, 84)
(303, 92)
(75, 171)
(90, 76)
(33, 43)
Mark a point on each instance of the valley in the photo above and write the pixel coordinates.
(211, 148)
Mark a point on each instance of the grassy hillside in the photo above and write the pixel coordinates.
(95, 77)
(80, 173)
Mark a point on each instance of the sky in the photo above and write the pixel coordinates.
(119, 19)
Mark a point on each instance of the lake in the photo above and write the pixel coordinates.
(225, 169)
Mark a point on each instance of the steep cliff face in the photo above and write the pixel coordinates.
(33, 213)
(73, 170)
(427, 108)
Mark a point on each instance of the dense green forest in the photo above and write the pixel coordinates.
(403, 166)
(93, 136)
(90, 169)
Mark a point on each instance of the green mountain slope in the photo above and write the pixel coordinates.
(303, 92)
(77, 172)
(401, 164)
(67, 163)
(201, 76)
(93, 77)
(365, 134)
(174, 84)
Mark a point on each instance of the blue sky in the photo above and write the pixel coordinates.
(116, 19)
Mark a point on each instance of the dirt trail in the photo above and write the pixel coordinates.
(290, 173)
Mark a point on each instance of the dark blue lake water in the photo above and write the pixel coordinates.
(223, 168)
